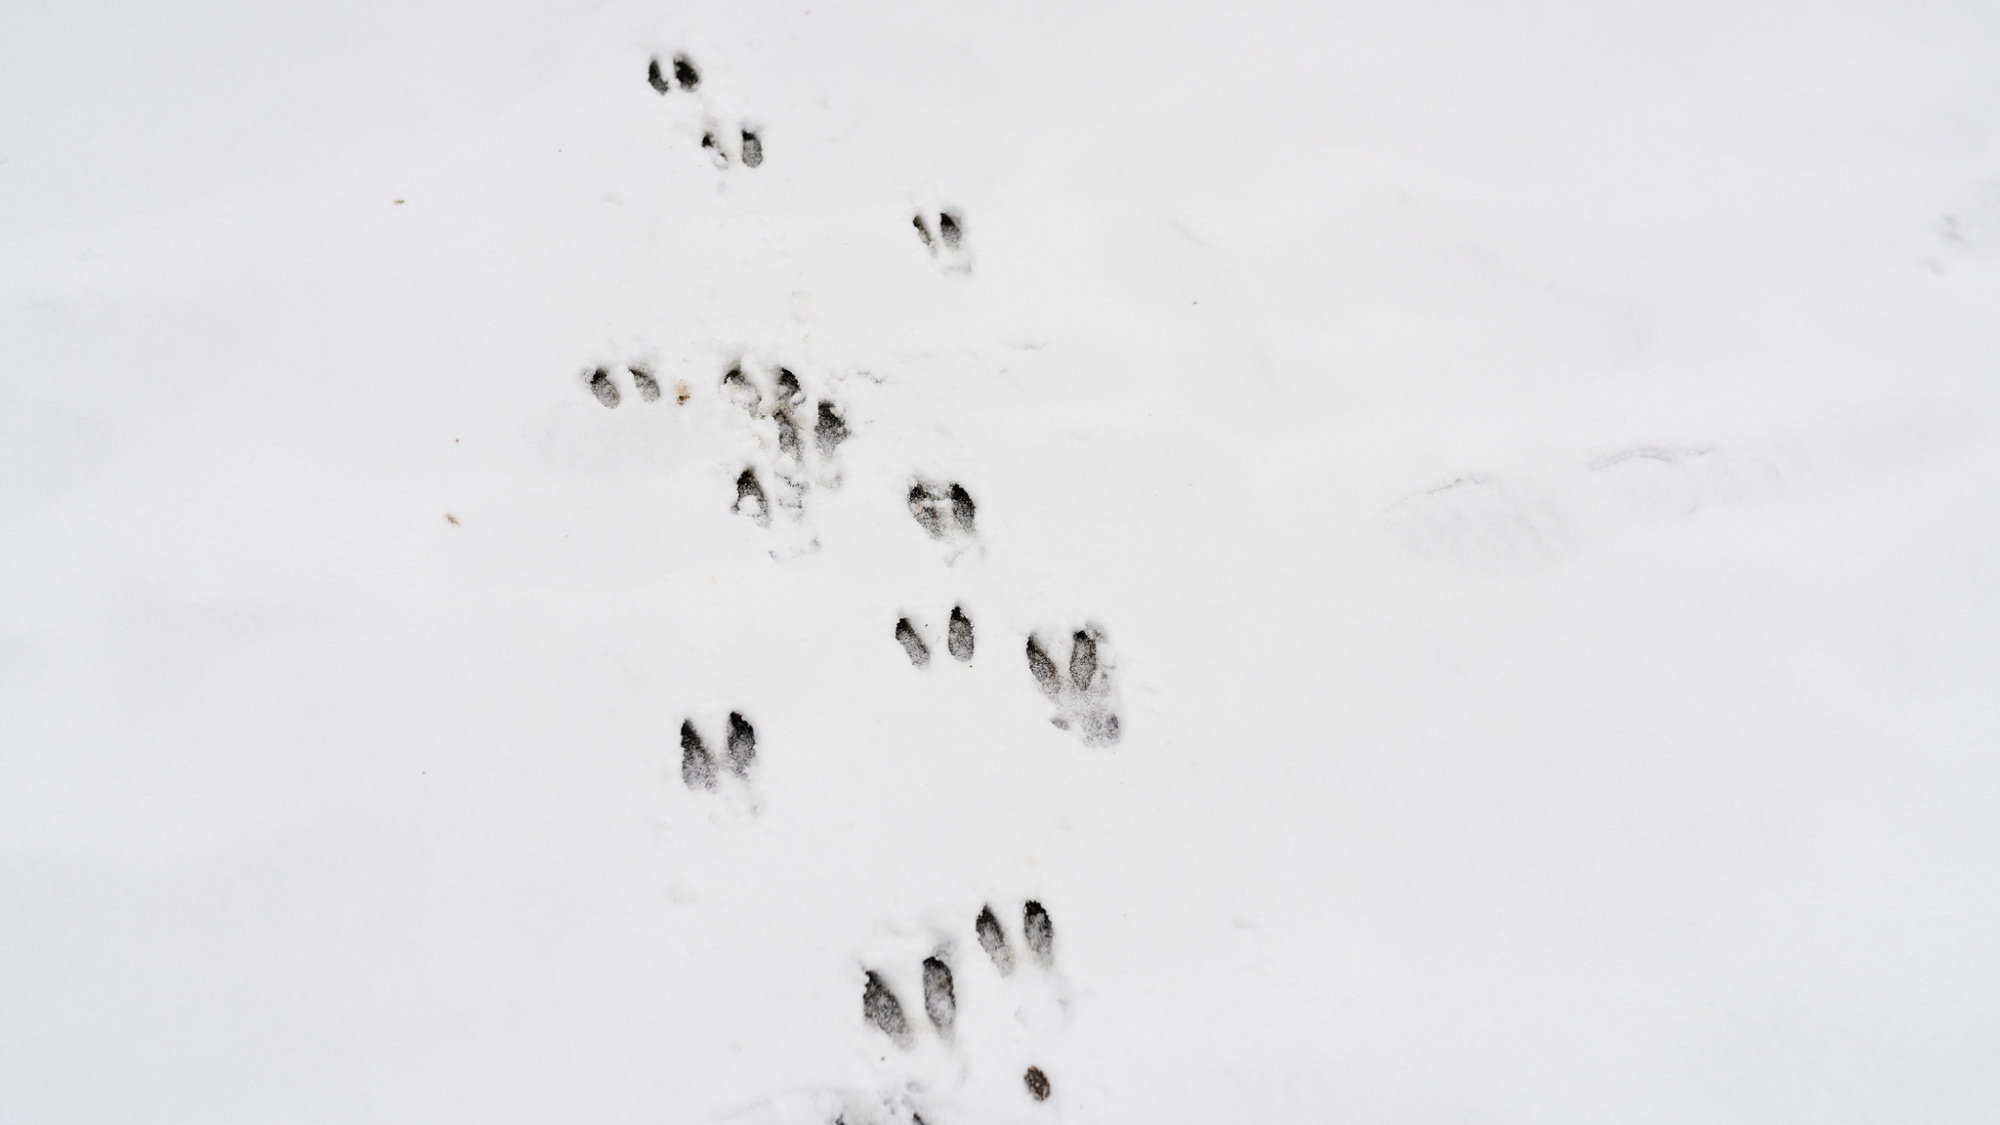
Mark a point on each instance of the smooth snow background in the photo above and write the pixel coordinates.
(1533, 465)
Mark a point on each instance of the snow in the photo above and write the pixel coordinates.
(1530, 468)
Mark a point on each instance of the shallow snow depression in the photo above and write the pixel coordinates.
(745, 563)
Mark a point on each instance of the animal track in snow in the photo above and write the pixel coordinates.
(698, 764)
(738, 143)
(945, 511)
(748, 146)
(683, 72)
(604, 386)
(957, 639)
(750, 499)
(945, 239)
(792, 466)
(974, 1049)
(1083, 696)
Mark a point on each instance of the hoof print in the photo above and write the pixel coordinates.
(685, 73)
(697, 764)
(787, 470)
(1083, 698)
(649, 387)
(1044, 670)
(748, 145)
(913, 645)
(940, 1004)
(945, 240)
(943, 511)
(741, 391)
(789, 392)
(1082, 661)
(962, 508)
(742, 745)
(830, 430)
(750, 499)
(994, 940)
(1004, 1020)
(958, 635)
(1039, 933)
(880, 1008)
(602, 386)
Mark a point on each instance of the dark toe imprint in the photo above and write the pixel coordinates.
(742, 746)
(830, 431)
(1083, 698)
(697, 764)
(958, 635)
(1039, 932)
(880, 1008)
(962, 508)
(750, 500)
(685, 73)
(649, 387)
(940, 1004)
(906, 635)
(1044, 670)
(790, 394)
(1082, 660)
(929, 502)
(994, 940)
(602, 386)
(753, 149)
(740, 390)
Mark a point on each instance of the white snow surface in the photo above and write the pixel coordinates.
(1532, 468)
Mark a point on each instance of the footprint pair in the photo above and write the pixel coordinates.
(948, 231)
(958, 639)
(829, 428)
(684, 74)
(789, 470)
(1083, 698)
(931, 504)
(606, 390)
(698, 764)
(881, 1009)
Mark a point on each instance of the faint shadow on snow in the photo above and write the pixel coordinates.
(1520, 523)
(1970, 229)
(1486, 524)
